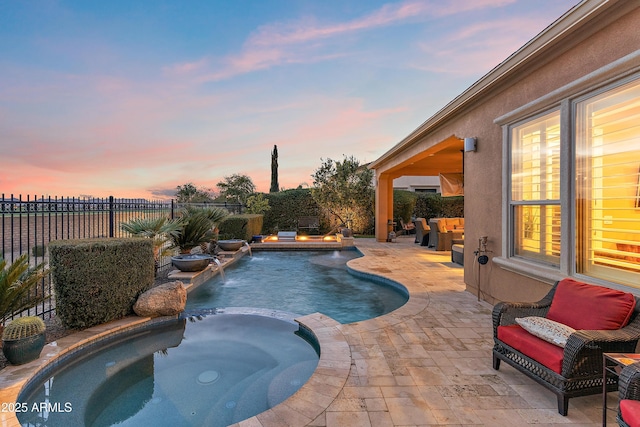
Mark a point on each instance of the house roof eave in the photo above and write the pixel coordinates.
(571, 22)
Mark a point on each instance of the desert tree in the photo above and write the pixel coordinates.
(236, 188)
(189, 193)
(345, 190)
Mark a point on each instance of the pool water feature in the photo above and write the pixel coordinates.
(301, 282)
(217, 370)
(219, 266)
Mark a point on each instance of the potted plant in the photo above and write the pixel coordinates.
(18, 287)
(198, 227)
(23, 339)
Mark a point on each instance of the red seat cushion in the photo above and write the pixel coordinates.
(541, 351)
(630, 411)
(584, 306)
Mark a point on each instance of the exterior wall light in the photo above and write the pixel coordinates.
(470, 144)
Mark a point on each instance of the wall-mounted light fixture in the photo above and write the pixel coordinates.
(470, 144)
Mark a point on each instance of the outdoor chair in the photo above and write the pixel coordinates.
(629, 392)
(422, 231)
(309, 224)
(408, 228)
(559, 340)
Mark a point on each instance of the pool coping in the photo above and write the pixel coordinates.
(302, 408)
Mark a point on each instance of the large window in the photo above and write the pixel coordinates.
(607, 180)
(595, 140)
(535, 189)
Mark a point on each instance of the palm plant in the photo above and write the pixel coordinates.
(198, 225)
(160, 230)
(16, 282)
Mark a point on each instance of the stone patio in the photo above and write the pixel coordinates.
(427, 363)
(432, 366)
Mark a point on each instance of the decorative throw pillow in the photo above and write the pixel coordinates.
(548, 330)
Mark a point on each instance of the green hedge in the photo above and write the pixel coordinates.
(431, 205)
(404, 205)
(243, 226)
(99, 280)
(286, 207)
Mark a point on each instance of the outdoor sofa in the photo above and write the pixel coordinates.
(579, 323)
(443, 232)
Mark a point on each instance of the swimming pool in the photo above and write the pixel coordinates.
(217, 370)
(302, 283)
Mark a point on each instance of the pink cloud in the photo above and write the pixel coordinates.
(299, 42)
(307, 30)
(186, 68)
(119, 133)
(479, 47)
(339, 127)
(452, 7)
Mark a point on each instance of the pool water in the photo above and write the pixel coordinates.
(215, 371)
(301, 283)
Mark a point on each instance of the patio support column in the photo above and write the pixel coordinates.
(384, 206)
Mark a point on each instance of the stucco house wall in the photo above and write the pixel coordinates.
(587, 40)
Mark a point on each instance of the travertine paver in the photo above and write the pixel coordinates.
(427, 363)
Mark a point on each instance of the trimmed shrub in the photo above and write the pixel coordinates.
(38, 250)
(404, 204)
(453, 207)
(243, 226)
(99, 280)
(431, 205)
(286, 207)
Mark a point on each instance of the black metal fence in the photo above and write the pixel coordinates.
(28, 225)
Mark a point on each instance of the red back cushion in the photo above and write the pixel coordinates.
(584, 306)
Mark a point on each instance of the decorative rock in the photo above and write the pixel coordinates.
(167, 299)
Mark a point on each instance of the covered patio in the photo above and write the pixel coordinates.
(443, 157)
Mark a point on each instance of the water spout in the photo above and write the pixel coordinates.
(248, 247)
(219, 264)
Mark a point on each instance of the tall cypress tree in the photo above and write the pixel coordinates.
(275, 187)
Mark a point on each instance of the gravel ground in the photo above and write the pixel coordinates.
(55, 330)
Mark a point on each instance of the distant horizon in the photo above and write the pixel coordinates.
(87, 197)
(132, 100)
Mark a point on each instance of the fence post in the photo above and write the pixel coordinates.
(111, 218)
(172, 210)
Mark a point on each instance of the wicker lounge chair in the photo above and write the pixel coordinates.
(581, 359)
(422, 231)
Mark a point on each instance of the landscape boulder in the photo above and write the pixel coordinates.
(167, 299)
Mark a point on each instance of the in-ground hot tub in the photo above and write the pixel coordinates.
(229, 366)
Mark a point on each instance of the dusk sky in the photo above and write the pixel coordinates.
(133, 98)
